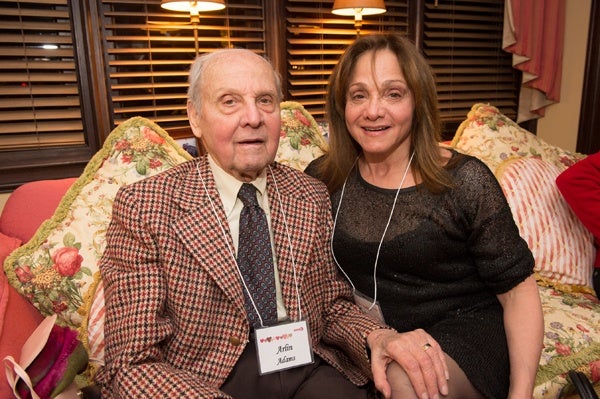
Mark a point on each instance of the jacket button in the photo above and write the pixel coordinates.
(235, 341)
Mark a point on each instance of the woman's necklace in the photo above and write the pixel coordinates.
(374, 301)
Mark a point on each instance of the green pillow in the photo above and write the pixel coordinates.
(57, 270)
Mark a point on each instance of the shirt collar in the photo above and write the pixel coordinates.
(228, 186)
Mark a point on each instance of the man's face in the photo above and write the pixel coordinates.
(239, 118)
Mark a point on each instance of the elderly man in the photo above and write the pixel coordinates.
(189, 313)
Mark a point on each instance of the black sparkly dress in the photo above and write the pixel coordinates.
(442, 261)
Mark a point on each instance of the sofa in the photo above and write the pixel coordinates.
(51, 237)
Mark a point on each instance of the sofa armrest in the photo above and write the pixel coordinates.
(30, 204)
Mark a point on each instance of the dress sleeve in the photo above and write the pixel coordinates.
(312, 168)
(501, 255)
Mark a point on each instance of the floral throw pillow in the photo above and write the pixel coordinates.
(57, 269)
(493, 137)
(301, 139)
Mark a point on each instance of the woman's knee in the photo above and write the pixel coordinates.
(459, 385)
(400, 383)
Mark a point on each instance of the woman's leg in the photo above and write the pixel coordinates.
(459, 386)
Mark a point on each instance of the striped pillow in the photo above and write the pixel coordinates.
(562, 247)
(95, 329)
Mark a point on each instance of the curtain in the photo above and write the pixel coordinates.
(534, 34)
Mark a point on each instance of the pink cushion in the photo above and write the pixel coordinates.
(30, 204)
(18, 320)
(7, 245)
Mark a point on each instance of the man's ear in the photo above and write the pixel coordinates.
(193, 118)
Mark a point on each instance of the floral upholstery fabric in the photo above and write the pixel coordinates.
(571, 341)
(301, 139)
(493, 137)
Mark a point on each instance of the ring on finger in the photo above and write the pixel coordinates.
(426, 347)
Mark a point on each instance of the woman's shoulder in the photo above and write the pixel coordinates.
(312, 169)
(467, 163)
(471, 175)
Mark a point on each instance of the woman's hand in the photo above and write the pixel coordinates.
(419, 355)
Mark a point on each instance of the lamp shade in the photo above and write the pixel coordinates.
(192, 6)
(353, 7)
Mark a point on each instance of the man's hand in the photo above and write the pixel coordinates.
(417, 353)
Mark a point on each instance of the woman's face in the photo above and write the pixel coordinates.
(379, 106)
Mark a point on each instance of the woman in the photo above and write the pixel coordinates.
(424, 233)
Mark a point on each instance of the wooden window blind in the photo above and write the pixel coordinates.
(39, 86)
(150, 50)
(316, 39)
(121, 58)
(462, 40)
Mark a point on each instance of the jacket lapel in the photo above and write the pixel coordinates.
(289, 210)
(204, 231)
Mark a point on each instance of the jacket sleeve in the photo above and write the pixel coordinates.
(135, 292)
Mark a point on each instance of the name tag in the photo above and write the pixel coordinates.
(283, 346)
(366, 305)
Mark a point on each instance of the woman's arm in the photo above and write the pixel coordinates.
(524, 325)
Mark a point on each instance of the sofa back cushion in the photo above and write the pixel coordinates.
(301, 139)
(30, 204)
(494, 138)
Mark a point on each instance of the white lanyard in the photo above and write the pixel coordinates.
(231, 251)
(382, 236)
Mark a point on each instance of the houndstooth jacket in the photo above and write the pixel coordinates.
(175, 318)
